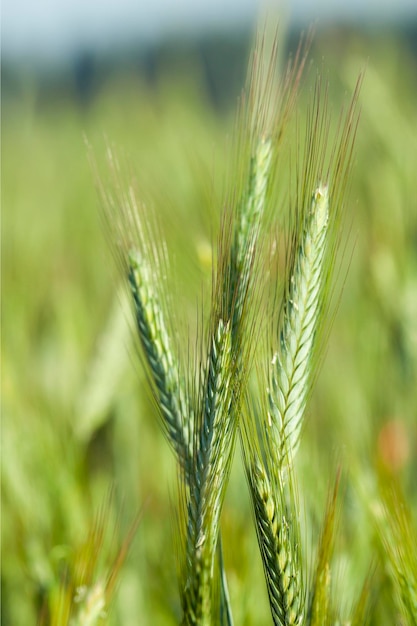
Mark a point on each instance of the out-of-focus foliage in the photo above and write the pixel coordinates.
(77, 419)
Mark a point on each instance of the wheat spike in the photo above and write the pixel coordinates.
(278, 546)
(290, 367)
(250, 212)
(159, 356)
(212, 458)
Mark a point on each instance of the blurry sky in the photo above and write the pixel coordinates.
(54, 28)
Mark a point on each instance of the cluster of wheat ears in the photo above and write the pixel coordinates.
(212, 399)
(250, 376)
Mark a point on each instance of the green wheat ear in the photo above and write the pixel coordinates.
(291, 363)
(162, 364)
(273, 422)
(212, 458)
(277, 529)
(278, 538)
(323, 169)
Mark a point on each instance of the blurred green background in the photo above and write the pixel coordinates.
(77, 419)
